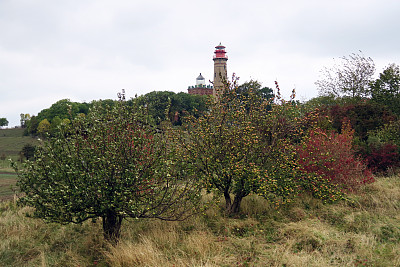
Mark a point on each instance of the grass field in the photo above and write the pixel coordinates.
(7, 185)
(12, 141)
(363, 231)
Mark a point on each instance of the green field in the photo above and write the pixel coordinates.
(7, 185)
(12, 141)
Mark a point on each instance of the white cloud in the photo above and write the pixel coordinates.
(86, 50)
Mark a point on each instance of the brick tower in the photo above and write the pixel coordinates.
(220, 72)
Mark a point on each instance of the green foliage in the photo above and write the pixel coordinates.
(24, 119)
(110, 164)
(244, 145)
(28, 151)
(386, 89)
(364, 117)
(389, 133)
(32, 126)
(222, 147)
(43, 128)
(157, 102)
(54, 125)
(62, 109)
(3, 122)
(255, 86)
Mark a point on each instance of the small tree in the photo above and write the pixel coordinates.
(24, 119)
(28, 151)
(239, 148)
(109, 164)
(43, 127)
(3, 122)
(386, 89)
(350, 77)
(222, 149)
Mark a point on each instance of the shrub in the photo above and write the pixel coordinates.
(363, 117)
(330, 156)
(383, 157)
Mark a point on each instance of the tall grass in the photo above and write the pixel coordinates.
(362, 231)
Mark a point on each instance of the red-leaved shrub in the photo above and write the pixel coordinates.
(330, 155)
(383, 158)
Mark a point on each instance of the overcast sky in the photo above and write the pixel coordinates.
(87, 50)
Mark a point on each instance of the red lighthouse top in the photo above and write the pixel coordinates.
(220, 51)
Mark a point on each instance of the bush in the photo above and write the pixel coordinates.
(28, 151)
(330, 156)
(363, 117)
(383, 158)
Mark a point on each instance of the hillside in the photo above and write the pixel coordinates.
(362, 231)
(12, 141)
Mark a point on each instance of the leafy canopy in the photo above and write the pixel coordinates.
(110, 164)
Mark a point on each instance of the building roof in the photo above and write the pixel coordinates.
(200, 77)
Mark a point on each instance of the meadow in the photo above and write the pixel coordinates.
(11, 143)
(361, 231)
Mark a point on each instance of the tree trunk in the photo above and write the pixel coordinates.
(111, 226)
(228, 201)
(232, 207)
(235, 207)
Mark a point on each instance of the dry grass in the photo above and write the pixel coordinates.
(363, 231)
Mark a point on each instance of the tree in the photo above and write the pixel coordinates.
(264, 92)
(54, 125)
(32, 126)
(28, 151)
(44, 127)
(324, 153)
(24, 119)
(239, 147)
(386, 89)
(3, 122)
(110, 164)
(364, 117)
(349, 78)
(221, 147)
(157, 102)
(65, 108)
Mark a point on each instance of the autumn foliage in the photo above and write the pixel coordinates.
(330, 155)
(382, 158)
(115, 163)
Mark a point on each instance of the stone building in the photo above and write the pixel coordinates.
(220, 75)
(200, 88)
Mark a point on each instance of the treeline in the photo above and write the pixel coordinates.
(348, 92)
(160, 105)
(157, 103)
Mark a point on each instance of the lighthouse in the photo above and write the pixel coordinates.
(220, 72)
